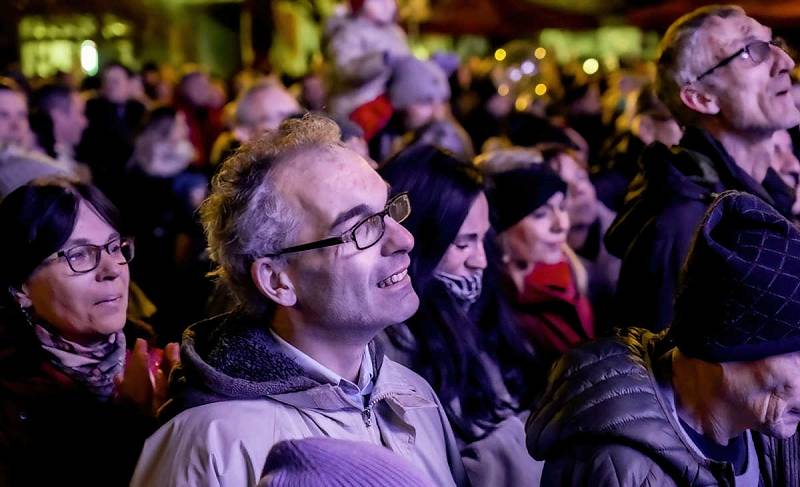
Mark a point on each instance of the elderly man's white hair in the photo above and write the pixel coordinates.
(682, 56)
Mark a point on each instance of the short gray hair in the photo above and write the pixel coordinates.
(243, 116)
(682, 57)
(246, 216)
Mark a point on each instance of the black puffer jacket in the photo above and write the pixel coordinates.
(664, 206)
(604, 422)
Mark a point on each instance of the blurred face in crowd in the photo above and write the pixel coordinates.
(379, 11)
(419, 114)
(69, 121)
(115, 85)
(165, 152)
(265, 110)
(783, 160)
(197, 89)
(82, 307)
(14, 127)
(540, 236)
(342, 288)
(466, 256)
(766, 392)
(748, 96)
(581, 200)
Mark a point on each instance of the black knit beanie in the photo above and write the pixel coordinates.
(739, 299)
(517, 193)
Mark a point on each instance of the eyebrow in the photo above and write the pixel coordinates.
(84, 241)
(359, 210)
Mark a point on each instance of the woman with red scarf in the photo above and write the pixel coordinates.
(546, 279)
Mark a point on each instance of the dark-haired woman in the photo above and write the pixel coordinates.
(76, 405)
(463, 339)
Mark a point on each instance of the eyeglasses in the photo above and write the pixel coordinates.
(85, 258)
(756, 52)
(365, 233)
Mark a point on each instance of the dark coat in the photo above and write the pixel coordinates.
(107, 142)
(654, 230)
(603, 422)
(53, 431)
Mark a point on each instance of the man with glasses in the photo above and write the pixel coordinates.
(726, 80)
(308, 239)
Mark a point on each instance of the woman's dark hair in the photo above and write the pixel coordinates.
(450, 341)
(38, 218)
(46, 98)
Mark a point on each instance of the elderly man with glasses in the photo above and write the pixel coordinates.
(726, 80)
(308, 238)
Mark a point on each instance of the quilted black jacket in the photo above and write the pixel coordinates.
(603, 422)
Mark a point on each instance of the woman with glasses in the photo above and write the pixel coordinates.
(76, 403)
(463, 339)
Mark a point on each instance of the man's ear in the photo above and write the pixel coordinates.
(272, 281)
(699, 100)
(21, 296)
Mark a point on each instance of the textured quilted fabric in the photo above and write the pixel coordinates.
(740, 296)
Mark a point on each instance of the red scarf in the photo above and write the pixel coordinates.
(552, 311)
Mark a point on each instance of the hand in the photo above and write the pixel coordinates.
(140, 387)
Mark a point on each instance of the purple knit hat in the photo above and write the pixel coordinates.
(322, 462)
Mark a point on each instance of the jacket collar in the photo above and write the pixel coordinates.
(232, 357)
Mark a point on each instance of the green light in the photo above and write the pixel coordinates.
(89, 59)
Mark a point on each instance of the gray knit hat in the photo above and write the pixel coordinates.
(740, 294)
(417, 81)
(321, 462)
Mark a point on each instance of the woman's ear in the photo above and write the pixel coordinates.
(21, 296)
(272, 281)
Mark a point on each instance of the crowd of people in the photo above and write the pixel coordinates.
(406, 278)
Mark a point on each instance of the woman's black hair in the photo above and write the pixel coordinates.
(451, 343)
(43, 100)
(39, 217)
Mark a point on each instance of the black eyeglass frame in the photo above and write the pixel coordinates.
(96, 252)
(350, 235)
(777, 42)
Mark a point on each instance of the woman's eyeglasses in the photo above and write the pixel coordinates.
(85, 258)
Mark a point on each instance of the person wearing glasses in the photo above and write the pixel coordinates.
(308, 240)
(78, 383)
(726, 80)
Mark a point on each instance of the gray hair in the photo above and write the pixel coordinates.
(682, 57)
(246, 216)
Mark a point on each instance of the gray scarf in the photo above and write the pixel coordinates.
(466, 290)
(94, 366)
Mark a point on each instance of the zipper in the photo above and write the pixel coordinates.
(366, 414)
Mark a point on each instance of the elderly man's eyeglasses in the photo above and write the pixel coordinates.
(85, 258)
(365, 233)
(756, 52)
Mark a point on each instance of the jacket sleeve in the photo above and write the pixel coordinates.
(501, 458)
(604, 466)
(194, 450)
(649, 274)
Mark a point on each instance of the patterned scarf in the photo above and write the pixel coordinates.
(94, 366)
(466, 290)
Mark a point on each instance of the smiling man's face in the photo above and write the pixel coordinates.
(342, 287)
(751, 97)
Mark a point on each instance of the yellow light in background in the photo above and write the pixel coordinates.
(522, 102)
(540, 89)
(591, 65)
(540, 53)
(502, 90)
(89, 59)
(500, 54)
